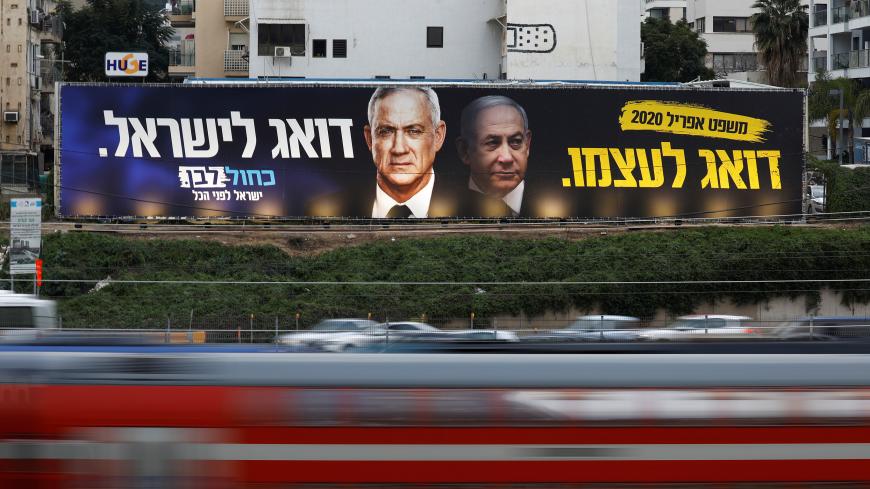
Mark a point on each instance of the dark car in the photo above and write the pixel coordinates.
(825, 328)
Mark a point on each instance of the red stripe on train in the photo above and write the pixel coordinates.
(556, 472)
(553, 435)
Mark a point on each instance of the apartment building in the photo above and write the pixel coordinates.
(839, 43)
(211, 39)
(423, 39)
(30, 33)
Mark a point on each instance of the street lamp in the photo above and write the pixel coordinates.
(833, 93)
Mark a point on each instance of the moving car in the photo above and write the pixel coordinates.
(824, 328)
(593, 328)
(704, 327)
(408, 331)
(324, 330)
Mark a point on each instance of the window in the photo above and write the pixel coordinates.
(16, 317)
(339, 48)
(434, 37)
(318, 48)
(731, 62)
(271, 35)
(700, 25)
(382, 77)
(731, 24)
(660, 13)
(418, 77)
(238, 42)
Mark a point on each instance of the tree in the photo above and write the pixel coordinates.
(780, 29)
(114, 25)
(673, 52)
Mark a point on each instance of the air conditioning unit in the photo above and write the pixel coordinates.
(10, 116)
(34, 17)
(282, 51)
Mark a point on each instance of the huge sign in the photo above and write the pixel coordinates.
(26, 235)
(126, 64)
(476, 150)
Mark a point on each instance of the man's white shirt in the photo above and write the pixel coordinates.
(418, 204)
(513, 199)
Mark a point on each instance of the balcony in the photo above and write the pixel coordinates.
(820, 18)
(235, 10)
(820, 61)
(236, 62)
(182, 62)
(855, 10)
(182, 14)
(851, 60)
(181, 58)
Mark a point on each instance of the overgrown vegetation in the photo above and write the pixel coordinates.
(695, 255)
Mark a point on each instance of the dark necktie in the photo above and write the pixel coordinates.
(399, 212)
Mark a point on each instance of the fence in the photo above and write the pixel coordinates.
(286, 332)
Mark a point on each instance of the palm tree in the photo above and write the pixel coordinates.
(780, 28)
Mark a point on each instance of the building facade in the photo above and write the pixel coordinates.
(672, 10)
(839, 43)
(441, 39)
(30, 34)
(730, 40)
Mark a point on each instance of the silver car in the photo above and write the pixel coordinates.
(602, 327)
(326, 330)
(705, 327)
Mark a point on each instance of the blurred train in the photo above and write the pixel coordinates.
(226, 420)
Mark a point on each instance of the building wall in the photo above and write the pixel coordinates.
(596, 40)
(385, 38)
(389, 38)
(211, 38)
(14, 82)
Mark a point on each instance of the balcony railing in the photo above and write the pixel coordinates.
(820, 18)
(820, 61)
(235, 8)
(841, 14)
(235, 61)
(181, 58)
(840, 61)
(859, 8)
(856, 9)
(184, 7)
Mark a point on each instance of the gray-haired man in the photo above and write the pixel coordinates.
(404, 133)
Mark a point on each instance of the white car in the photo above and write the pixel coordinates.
(400, 331)
(325, 330)
(603, 327)
(815, 199)
(704, 327)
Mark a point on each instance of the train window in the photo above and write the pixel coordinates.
(16, 317)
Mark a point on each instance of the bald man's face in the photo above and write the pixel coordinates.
(499, 152)
(403, 142)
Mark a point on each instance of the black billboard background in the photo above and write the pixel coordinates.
(559, 118)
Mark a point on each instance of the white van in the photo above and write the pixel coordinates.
(23, 313)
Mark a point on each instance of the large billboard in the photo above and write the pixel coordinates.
(427, 151)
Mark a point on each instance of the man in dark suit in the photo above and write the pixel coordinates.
(494, 142)
(404, 133)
